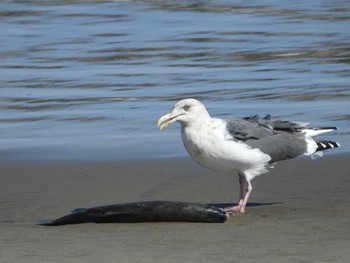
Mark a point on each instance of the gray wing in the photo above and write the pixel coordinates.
(278, 125)
(280, 139)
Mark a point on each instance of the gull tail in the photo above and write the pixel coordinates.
(318, 146)
(321, 146)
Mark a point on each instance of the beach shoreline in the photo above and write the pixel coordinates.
(298, 212)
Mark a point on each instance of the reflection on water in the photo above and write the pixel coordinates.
(90, 78)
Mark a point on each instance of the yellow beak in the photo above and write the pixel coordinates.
(163, 122)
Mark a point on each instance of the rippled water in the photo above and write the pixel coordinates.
(88, 79)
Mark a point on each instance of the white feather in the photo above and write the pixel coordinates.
(316, 155)
(311, 146)
(213, 149)
(315, 132)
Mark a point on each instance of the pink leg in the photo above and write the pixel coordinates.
(241, 189)
(237, 208)
(246, 197)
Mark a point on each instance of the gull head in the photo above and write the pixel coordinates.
(185, 111)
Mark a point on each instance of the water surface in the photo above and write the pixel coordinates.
(89, 79)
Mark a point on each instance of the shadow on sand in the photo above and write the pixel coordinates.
(223, 205)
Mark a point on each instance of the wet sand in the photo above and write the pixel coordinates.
(299, 212)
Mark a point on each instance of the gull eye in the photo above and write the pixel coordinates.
(186, 107)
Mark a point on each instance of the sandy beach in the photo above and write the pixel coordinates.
(299, 212)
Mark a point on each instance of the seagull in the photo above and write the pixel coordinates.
(247, 146)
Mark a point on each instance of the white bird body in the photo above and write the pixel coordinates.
(214, 149)
(247, 146)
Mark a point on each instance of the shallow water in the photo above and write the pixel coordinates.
(89, 79)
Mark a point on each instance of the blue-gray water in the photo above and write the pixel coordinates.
(89, 79)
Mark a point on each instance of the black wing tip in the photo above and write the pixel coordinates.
(324, 145)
